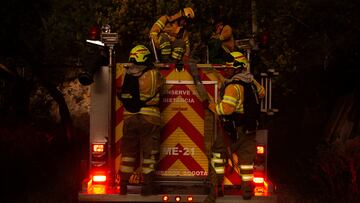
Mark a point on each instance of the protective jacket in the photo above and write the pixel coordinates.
(149, 86)
(169, 25)
(225, 35)
(144, 139)
(231, 103)
(233, 98)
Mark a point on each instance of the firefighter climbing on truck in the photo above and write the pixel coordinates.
(239, 109)
(170, 34)
(221, 42)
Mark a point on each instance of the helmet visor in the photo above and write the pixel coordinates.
(238, 64)
(133, 60)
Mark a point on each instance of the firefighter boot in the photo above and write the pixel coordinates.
(211, 197)
(147, 188)
(247, 189)
(179, 65)
(220, 185)
(123, 187)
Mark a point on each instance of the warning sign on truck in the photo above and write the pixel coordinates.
(182, 137)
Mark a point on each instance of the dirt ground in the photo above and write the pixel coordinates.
(38, 167)
(41, 167)
(54, 175)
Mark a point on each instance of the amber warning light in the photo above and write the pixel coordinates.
(165, 198)
(98, 147)
(260, 149)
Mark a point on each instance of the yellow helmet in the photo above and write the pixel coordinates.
(238, 60)
(140, 54)
(188, 13)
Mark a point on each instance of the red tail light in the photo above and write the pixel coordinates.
(190, 199)
(177, 198)
(94, 32)
(99, 178)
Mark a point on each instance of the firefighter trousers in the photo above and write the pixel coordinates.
(171, 49)
(141, 139)
(244, 146)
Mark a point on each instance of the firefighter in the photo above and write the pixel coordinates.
(141, 130)
(170, 34)
(221, 42)
(239, 109)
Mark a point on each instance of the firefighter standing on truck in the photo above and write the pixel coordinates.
(221, 42)
(239, 108)
(141, 130)
(170, 34)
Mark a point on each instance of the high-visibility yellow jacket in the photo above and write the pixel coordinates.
(233, 99)
(169, 25)
(149, 85)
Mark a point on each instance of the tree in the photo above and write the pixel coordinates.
(45, 35)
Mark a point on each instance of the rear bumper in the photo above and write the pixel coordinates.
(158, 198)
(104, 193)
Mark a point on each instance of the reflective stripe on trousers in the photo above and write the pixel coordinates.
(144, 139)
(218, 163)
(246, 172)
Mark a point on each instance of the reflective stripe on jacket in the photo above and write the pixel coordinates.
(149, 85)
(169, 25)
(232, 101)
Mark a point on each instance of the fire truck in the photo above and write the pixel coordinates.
(187, 132)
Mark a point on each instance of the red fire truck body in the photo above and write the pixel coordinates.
(187, 132)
